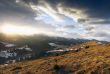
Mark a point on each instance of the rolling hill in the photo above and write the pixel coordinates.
(86, 58)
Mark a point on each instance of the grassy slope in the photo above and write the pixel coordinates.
(92, 60)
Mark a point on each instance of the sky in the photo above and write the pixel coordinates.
(88, 19)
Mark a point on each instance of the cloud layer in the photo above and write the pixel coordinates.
(68, 18)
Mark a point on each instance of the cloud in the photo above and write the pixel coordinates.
(77, 8)
(82, 9)
(72, 18)
(49, 12)
(100, 21)
(10, 11)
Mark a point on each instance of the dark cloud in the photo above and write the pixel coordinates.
(32, 1)
(93, 8)
(99, 9)
(81, 20)
(102, 34)
(10, 11)
(89, 28)
(100, 22)
(12, 6)
(69, 27)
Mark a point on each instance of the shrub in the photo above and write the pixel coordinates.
(17, 68)
(56, 67)
(86, 47)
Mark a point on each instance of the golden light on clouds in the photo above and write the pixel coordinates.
(15, 29)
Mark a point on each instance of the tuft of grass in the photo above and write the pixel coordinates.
(56, 67)
(16, 68)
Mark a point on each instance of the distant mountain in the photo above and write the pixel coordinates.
(91, 57)
(40, 43)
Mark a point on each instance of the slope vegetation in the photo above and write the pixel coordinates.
(90, 58)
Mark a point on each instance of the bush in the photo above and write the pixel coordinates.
(17, 68)
(29, 72)
(86, 47)
(81, 72)
(56, 67)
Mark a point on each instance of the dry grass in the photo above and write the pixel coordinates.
(92, 60)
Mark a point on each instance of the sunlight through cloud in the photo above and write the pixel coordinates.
(15, 29)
